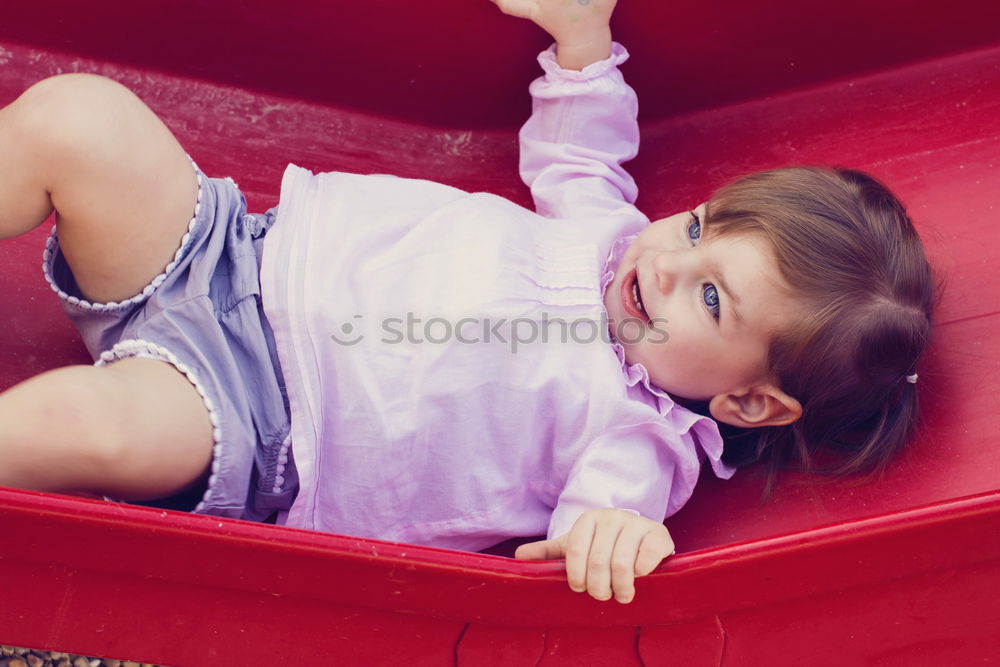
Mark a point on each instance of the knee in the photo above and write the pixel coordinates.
(67, 92)
(71, 109)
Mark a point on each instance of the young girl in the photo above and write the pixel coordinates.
(399, 359)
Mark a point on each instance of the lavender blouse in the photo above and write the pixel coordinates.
(446, 354)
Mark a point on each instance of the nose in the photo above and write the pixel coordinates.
(670, 267)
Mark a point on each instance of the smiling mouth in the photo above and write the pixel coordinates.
(632, 297)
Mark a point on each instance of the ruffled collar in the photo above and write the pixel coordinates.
(705, 428)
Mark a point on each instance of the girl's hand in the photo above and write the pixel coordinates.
(580, 27)
(605, 550)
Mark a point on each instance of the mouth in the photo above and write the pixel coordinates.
(632, 297)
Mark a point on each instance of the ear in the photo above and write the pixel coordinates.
(761, 405)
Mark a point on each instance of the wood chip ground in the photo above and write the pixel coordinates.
(12, 656)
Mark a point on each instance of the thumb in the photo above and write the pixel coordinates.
(519, 8)
(542, 550)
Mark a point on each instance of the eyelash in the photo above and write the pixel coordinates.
(709, 293)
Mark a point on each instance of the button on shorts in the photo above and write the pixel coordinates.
(204, 316)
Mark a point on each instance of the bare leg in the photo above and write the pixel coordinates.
(134, 429)
(122, 187)
(124, 192)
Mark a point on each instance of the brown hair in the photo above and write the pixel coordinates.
(846, 246)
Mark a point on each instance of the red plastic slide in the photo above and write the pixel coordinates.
(903, 570)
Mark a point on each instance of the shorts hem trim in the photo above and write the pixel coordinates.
(52, 242)
(279, 479)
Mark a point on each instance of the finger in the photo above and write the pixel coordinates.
(655, 546)
(623, 561)
(541, 550)
(599, 563)
(578, 551)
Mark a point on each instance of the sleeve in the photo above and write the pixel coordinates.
(582, 128)
(632, 469)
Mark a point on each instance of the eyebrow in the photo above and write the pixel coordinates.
(731, 295)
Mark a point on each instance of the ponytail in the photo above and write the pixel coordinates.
(846, 245)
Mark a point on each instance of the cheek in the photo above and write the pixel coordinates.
(657, 234)
(694, 366)
(683, 356)
(683, 337)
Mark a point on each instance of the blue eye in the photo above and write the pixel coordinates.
(694, 229)
(710, 295)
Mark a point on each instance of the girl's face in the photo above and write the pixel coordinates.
(706, 309)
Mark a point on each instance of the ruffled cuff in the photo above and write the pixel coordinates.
(595, 70)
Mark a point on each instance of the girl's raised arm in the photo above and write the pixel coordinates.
(583, 124)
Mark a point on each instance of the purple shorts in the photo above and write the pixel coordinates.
(203, 315)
